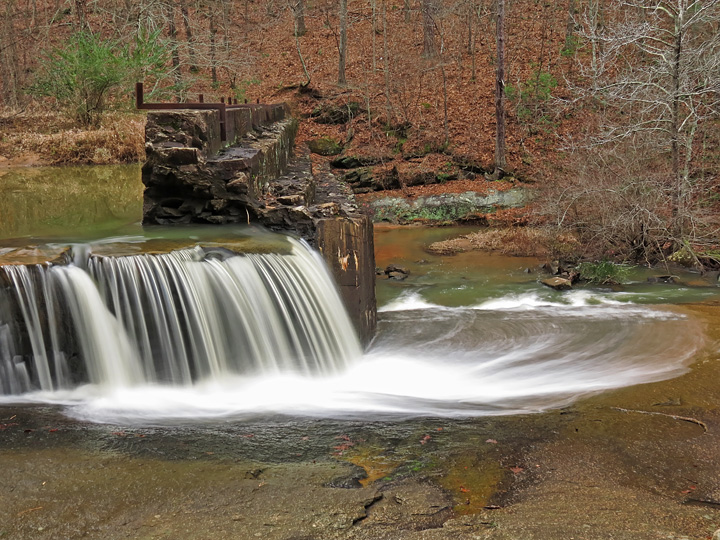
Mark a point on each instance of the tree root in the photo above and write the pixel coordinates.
(673, 416)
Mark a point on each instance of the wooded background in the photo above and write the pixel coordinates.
(612, 105)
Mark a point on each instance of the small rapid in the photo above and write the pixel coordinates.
(434, 361)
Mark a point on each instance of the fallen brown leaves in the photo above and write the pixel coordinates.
(517, 241)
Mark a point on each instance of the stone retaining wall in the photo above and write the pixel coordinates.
(191, 177)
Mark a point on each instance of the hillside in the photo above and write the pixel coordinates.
(587, 106)
(260, 61)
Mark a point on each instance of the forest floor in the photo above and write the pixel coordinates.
(416, 125)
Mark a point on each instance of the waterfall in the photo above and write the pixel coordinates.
(190, 315)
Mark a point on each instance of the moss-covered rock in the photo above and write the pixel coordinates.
(683, 257)
(325, 146)
(353, 162)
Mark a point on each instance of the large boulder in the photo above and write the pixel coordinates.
(325, 146)
(557, 283)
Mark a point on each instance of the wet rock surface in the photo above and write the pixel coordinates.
(557, 283)
(446, 207)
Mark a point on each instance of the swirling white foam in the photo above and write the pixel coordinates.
(514, 358)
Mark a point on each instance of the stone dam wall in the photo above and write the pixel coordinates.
(191, 176)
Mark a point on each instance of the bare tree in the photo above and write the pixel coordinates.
(429, 12)
(298, 9)
(175, 52)
(296, 32)
(658, 72)
(342, 45)
(192, 55)
(386, 65)
(9, 68)
(500, 159)
(570, 27)
(213, 46)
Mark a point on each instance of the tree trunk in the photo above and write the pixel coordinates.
(428, 12)
(175, 53)
(386, 65)
(8, 57)
(299, 51)
(33, 20)
(298, 9)
(594, 16)
(500, 162)
(373, 7)
(678, 188)
(446, 122)
(472, 37)
(469, 14)
(342, 79)
(81, 14)
(213, 51)
(406, 10)
(189, 36)
(570, 27)
(226, 19)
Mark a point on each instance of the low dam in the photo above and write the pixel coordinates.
(204, 167)
(194, 314)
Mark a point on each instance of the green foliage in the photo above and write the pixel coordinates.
(325, 146)
(241, 89)
(572, 43)
(530, 99)
(90, 72)
(399, 132)
(683, 256)
(539, 87)
(604, 272)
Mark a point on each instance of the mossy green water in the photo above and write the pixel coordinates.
(51, 201)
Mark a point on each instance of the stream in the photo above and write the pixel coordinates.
(488, 406)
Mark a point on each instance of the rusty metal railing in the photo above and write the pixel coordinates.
(222, 107)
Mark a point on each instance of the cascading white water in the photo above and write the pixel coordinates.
(203, 332)
(189, 315)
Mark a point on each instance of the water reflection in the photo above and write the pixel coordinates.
(52, 201)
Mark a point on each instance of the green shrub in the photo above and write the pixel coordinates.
(89, 71)
(604, 272)
(530, 99)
